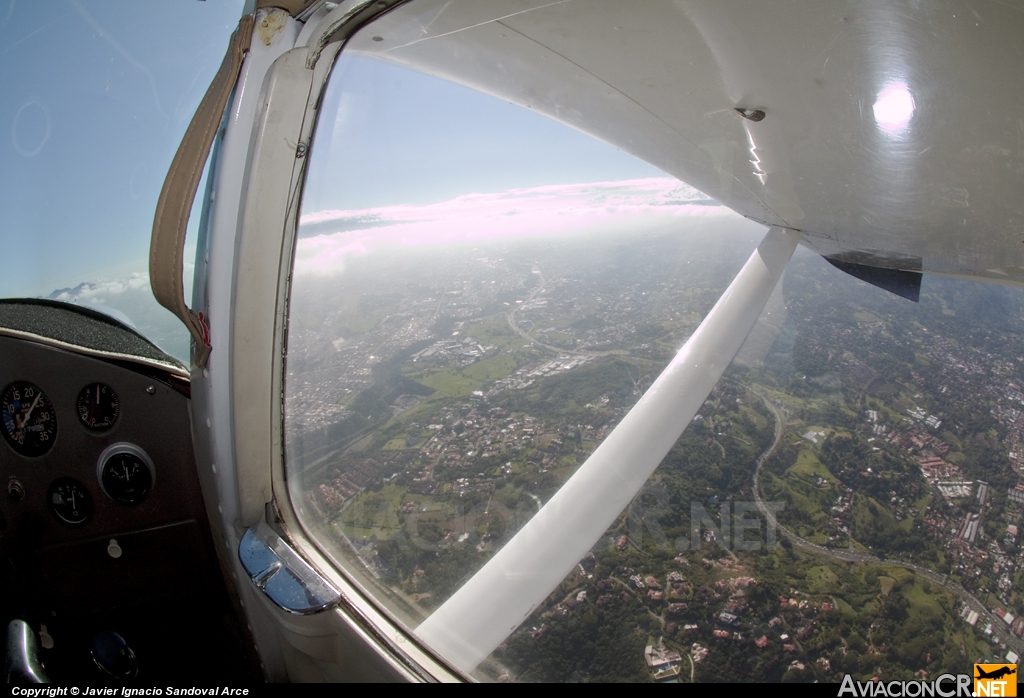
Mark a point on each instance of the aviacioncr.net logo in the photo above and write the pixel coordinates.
(995, 680)
(945, 686)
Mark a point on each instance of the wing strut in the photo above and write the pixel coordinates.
(480, 615)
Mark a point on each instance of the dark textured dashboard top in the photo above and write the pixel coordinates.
(78, 326)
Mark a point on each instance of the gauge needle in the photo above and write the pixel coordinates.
(28, 414)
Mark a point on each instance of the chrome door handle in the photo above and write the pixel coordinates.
(277, 570)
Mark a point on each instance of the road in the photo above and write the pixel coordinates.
(511, 318)
(999, 628)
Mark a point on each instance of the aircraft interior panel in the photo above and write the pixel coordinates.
(103, 524)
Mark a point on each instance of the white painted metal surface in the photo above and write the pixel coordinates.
(935, 187)
(213, 421)
(510, 586)
(253, 212)
(213, 386)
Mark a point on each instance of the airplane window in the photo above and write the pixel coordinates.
(480, 294)
(88, 135)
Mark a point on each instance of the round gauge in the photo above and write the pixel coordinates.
(125, 473)
(70, 501)
(28, 421)
(98, 406)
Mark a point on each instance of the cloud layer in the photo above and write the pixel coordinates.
(131, 301)
(88, 293)
(327, 238)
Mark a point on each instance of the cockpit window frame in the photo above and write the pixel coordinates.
(290, 100)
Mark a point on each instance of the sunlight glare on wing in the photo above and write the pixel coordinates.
(894, 107)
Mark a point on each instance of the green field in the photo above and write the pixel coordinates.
(759, 419)
(806, 502)
(868, 514)
(925, 601)
(450, 382)
(373, 514)
(491, 369)
(495, 330)
(808, 468)
(887, 584)
(822, 580)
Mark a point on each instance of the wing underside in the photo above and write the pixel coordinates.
(878, 138)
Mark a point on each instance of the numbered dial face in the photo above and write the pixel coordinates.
(70, 502)
(126, 473)
(98, 406)
(28, 422)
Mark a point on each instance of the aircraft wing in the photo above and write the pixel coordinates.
(888, 134)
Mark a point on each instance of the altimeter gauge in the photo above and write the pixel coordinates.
(69, 501)
(125, 473)
(28, 421)
(98, 406)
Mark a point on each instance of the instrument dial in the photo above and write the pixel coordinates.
(98, 406)
(70, 502)
(125, 473)
(29, 423)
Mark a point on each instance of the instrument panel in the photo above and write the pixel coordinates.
(95, 450)
(124, 471)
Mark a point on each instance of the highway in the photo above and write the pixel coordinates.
(999, 628)
(514, 324)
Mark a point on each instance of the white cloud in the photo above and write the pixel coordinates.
(328, 238)
(131, 301)
(97, 293)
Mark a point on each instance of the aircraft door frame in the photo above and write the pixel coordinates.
(238, 396)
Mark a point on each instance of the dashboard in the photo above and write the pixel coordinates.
(100, 478)
(102, 517)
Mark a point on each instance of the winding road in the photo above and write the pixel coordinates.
(514, 324)
(999, 628)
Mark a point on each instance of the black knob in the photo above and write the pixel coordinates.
(113, 655)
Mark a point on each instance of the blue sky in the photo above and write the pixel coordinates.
(96, 96)
(422, 139)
